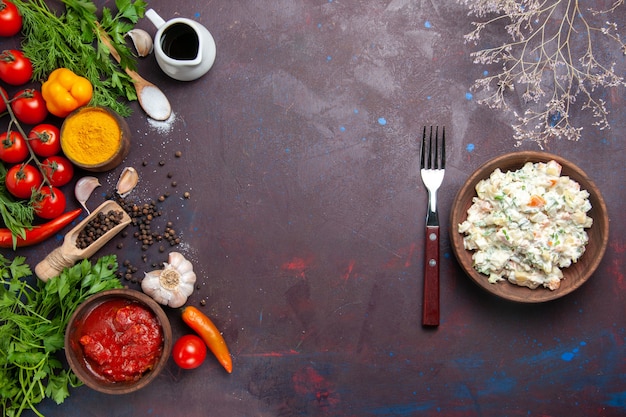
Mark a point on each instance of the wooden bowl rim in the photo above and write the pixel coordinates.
(77, 365)
(505, 289)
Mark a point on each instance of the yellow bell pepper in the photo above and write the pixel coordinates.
(65, 91)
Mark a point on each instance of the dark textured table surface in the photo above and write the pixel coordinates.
(305, 223)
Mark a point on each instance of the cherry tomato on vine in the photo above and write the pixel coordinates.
(189, 351)
(58, 170)
(50, 203)
(10, 19)
(15, 67)
(29, 106)
(3, 104)
(13, 148)
(45, 140)
(21, 179)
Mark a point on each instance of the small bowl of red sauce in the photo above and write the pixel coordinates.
(118, 341)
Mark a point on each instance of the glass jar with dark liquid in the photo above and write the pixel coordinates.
(180, 41)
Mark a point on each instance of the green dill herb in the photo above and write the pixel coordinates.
(68, 40)
(17, 215)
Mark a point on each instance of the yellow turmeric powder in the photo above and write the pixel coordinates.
(91, 136)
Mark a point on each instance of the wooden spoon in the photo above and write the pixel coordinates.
(68, 253)
(151, 98)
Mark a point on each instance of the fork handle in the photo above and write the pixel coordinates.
(430, 312)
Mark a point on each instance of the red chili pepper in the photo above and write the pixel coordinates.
(205, 328)
(38, 233)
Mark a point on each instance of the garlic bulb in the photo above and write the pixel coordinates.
(173, 284)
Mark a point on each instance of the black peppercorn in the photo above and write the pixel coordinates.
(98, 226)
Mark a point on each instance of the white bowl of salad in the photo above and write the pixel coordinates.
(529, 226)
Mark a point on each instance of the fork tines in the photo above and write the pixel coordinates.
(436, 159)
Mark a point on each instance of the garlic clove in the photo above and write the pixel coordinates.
(178, 261)
(83, 189)
(142, 41)
(187, 286)
(151, 285)
(127, 182)
(178, 300)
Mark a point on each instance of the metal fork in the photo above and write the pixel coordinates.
(432, 170)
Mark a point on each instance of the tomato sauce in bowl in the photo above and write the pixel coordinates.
(121, 340)
(118, 341)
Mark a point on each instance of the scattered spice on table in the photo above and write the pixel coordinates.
(150, 229)
(147, 233)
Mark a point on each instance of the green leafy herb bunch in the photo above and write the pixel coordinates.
(33, 318)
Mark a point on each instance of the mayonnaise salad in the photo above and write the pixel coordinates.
(526, 225)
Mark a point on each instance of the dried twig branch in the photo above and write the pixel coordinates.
(550, 60)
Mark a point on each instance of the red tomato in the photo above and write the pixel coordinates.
(3, 104)
(29, 106)
(21, 179)
(58, 170)
(189, 351)
(50, 203)
(45, 140)
(10, 19)
(13, 148)
(15, 68)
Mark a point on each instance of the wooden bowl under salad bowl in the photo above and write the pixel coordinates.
(573, 276)
(118, 341)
